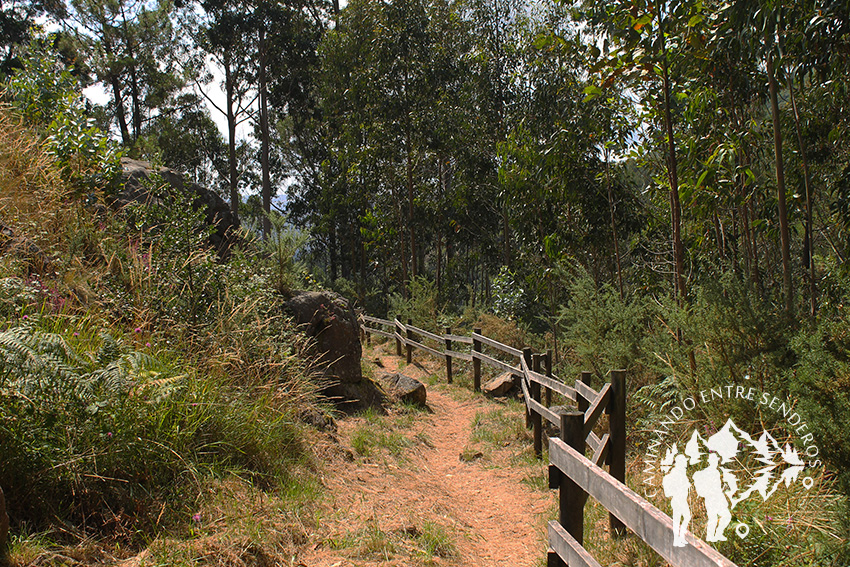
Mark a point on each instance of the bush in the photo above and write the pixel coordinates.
(104, 436)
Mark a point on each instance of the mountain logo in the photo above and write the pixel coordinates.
(716, 470)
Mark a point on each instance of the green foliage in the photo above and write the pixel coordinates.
(605, 331)
(281, 247)
(169, 272)
(420, 305)
(89, 426)
(49, 97)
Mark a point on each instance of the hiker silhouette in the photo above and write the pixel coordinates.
(676, 487)
(708, 483)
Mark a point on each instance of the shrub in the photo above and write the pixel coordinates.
(108, 437)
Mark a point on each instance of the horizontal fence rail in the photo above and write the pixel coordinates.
(570, 471)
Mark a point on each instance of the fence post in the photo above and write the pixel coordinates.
(616, 411)
(367, 333)
(476, 362)
(536, 418)
(409, 338)
(580, 401)
(448, 356)
(571, 498)
(548, 364)
(397, 335)
(526, 355)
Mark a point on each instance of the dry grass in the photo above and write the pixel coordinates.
(33, 198)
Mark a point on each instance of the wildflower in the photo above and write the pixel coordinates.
(26, 316)
(76, 334)
(196, 517)
(148, 345)
(109, 434)
(138, 330)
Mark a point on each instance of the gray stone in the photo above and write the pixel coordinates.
(21, 246)
(217, 211)
(404, 388)
(500, 386)
(329, 319)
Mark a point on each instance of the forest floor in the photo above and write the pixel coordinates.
(453, 484)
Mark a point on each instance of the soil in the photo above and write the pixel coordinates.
(485, 507)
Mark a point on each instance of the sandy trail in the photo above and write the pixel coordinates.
(491, 516)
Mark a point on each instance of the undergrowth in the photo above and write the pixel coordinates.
(138, 372)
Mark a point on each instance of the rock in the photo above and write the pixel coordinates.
(218, 213)
(330, 321)
(23, 247)
(500, 386)
(404, 388)
(4, 523)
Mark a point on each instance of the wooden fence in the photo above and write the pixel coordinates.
(573, 474)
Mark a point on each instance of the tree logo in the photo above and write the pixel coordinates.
(724, 467)
(716, 476)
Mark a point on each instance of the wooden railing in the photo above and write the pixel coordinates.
(570, 471)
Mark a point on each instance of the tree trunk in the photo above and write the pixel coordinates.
(784, 231)
(613, 222)
(231, 137)
(808, 245)
(410, 217)
(672, 172)
(264, 134)
(120, 111)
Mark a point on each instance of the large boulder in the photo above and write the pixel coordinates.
(217, 211)
(404, 388)
(329, 319)
(500, 386)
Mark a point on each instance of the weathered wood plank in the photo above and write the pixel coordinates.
(399, 325)
(372, 331)
(568, 549)
(593, 441)
(459, 339)
(596, 409)
(601, 452)
(645, 520)
(489, 360)
(497, 345)
(586, 391)
(377, 321)
(461, 355)
(552, 384)
(542, 410)
(426, 334)
(420, 346)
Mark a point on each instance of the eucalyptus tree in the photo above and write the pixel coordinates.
(643, 44)
(224, 35)
(133, 50)
(18, 19)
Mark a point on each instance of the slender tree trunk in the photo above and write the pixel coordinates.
(410, 217)
(613, 222)
(264, 134)
(442, 188)
(784, 231)
(135, 93)
(808, 245)
(231, 137)
(672, 171)
(332, 253)
(115, 83)
(120, 111)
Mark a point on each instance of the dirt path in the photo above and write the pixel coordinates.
(386, 510)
